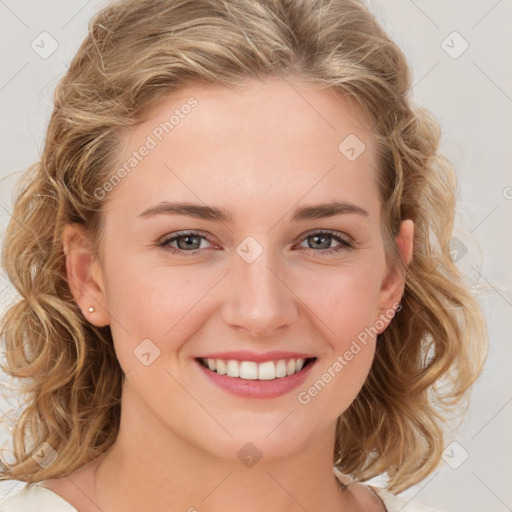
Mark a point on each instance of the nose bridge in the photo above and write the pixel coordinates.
(260, 301)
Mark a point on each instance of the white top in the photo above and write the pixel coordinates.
(35, 499)
(41, 499)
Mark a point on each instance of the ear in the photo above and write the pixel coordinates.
(392, 287)
(84, 275)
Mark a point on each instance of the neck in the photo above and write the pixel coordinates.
(151, 468)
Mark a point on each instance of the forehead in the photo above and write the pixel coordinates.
(277, 139)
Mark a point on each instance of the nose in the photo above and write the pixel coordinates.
(261, 302)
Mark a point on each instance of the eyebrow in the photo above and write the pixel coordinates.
(217, 214)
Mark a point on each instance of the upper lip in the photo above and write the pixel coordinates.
(257, 357)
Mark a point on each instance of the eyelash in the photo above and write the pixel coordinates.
(345, 245)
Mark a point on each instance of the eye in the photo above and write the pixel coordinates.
(190, 241)
(322, 240)
(187, 241)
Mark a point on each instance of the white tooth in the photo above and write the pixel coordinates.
(281, 368)
(248, 370)
(233, 368)
(221, 367)
(299, 364)
(290, 367)
(267, 370)
(212, 364)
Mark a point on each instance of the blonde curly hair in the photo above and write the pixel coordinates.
(136, 53)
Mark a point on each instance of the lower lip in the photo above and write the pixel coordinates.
(257, 388)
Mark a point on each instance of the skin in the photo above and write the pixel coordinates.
(259, 152)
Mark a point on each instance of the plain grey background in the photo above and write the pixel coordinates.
(460, 53)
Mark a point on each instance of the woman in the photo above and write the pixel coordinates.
(237, 290)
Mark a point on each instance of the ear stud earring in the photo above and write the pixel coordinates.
(91, 309)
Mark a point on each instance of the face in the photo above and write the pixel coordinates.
(253, 270)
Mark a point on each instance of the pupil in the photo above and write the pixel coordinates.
(188, 239)
(320, 237)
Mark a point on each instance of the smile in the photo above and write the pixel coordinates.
(251, 370)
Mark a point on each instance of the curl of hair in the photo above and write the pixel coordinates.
(137, 53)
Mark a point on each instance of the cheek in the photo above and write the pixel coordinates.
(346, 305)
(337, 383)
(163, 304)
(147, 295)
(345, 300)
(348, 349)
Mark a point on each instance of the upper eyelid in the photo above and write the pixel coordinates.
(332, 232)
(179, 234)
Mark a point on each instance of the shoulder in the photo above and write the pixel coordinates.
(35, 499)
(386, 499)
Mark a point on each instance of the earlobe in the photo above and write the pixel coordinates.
(84, 276)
